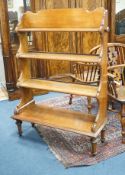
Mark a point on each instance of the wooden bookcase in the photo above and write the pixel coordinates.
(67, 20)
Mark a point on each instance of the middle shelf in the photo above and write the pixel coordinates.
(53, 86)
(60, 57)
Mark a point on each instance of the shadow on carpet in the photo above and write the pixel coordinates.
(74, 149)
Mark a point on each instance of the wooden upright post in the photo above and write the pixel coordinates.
(6, 48)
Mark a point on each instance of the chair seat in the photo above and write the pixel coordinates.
(83, 80)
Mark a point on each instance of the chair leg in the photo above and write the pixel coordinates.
(94, 146)
(123, 123)
(71, 95)
(89, 104)
(123, 129)
(19, 127)
(111, 106)
(103, 135)
(70, 99)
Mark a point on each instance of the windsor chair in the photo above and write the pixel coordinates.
(85, 74)
(116, 78)
(116, 56)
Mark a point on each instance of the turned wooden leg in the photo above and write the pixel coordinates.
(123, 129)
(123, 123)
(94, 146)
(19, 126)
(111, 106)
(33, 125)
(70, 99)
(103, 135)
(89, 104)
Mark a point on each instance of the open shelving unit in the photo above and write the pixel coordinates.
(73, 20)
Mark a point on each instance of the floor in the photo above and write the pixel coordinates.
(3, 93)
(30, 155)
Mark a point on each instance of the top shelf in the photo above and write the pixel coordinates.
(64, 20)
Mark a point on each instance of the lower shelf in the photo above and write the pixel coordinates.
(53, 86)
(61, 119)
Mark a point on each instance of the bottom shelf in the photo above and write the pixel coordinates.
(61, 119)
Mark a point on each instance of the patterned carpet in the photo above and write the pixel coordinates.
(74, 149)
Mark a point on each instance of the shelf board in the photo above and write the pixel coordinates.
(54, 86)
(58, 118)
(58, 56)
(66, 29)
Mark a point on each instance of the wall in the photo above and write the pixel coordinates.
(2, 73)
(120, 5)
(16, 7)
(16, 4)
